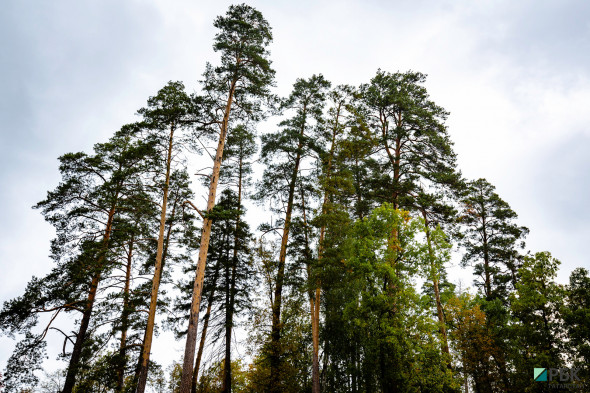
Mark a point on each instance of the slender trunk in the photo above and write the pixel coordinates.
(315, 333)
(395, 160)
(486, 260)
(441, 319)
(396, 173)
(435, 282)
(391, 288)
(191, 336)
(327, 360)
(465, 375)
(354, 367)
(229, 319)
(275, 335)
(486, 256)
(206, 318)
(501, 363)
(81, 336)
(164, 256)
(385, 382)
(227, 270)
(314, 302)
(149, 331)
(124, 321)
(395, 156)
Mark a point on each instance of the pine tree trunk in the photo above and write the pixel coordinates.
(206, 318)
(226, 384)
(191, 336)
(354, 368)
(195, 379)
(275, 335)
(314, 303)
(80, 337)
(229, 319)
(394, 157)
(124, 322)
(441, 319)
(466, 384)
(70, 380)
(486, 255)
(396, 172)
(149, 331)
(315, 333)
(435, 282)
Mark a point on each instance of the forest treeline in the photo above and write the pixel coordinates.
(343, 288)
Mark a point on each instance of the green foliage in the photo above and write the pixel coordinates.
(221, 251)
(399, 344)
(473, 342)
(52, 382)
(294, 349)
(537, 331)
(242, 39)
(171, 105)
(491, 240)
(244, 75)
(237, 157)
(283, 151)
(22, 365)
(175, 374)
(99, 376)
(212, 379)
(576, 315)
(413, 140)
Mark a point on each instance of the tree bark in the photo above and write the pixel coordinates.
(354, 367)
(80, 337)
(149, 331)
(124, 321)
(395, 157)
(206, 318)
(229, 319)
(314, 303)
(315, 333)
(275, 335)
(191, 337)
(435, 282)
(70, 380)
(486, 259)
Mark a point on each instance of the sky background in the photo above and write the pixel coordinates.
(515, 76)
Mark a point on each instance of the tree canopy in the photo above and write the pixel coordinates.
(312, 254)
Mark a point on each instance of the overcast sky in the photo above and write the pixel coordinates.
(515, 76)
